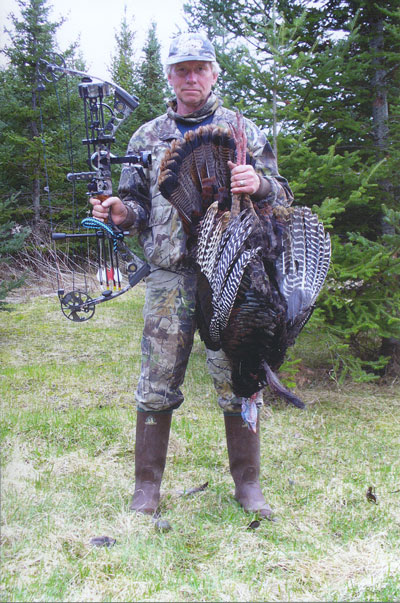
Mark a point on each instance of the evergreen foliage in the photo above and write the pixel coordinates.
(321, 79)
(144, 78)
(123, 66)
(153, 87)
(124, 72)
(24, 104)
(32, 38)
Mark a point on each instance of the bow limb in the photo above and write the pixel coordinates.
(77, 305)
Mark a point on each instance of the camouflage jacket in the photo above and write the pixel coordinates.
(151, 216)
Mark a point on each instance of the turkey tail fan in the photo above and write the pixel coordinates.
(222, 260)
(278, 388)
(303, 266)
(224, 151)
(194, 172)
(184, 192)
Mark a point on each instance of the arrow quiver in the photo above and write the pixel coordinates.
(106, 106)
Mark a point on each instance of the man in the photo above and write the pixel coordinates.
(169, 322)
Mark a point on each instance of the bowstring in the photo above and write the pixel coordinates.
(67, 139)
(60, 280)
(68, 144)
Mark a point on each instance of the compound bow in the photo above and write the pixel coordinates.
(77, 305)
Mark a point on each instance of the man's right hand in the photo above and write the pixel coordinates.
(101, 209)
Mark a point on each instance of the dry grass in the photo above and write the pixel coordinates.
(68, 423)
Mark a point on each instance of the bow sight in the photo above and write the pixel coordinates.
(102, 119)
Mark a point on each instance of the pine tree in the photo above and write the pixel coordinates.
(144, 78)
(123, 67)
(124, 72)
(32, 38)
(153, 88)
(372, 73)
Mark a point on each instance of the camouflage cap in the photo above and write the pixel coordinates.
(190, 47)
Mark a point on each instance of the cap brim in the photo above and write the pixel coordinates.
(181, 59)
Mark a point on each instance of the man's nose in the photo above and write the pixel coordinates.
(191, 76)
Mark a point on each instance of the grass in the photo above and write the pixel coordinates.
(68, 422)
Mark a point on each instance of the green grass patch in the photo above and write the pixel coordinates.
(68, 425)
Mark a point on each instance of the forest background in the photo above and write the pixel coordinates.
(321, 78)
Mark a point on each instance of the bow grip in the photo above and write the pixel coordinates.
(101, 197)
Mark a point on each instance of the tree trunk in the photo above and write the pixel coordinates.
(36, 178)
(390, 346)
(36, 197)
(274, 99)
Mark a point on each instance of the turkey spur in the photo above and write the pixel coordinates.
(260, 269)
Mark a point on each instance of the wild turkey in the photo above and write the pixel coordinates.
(259, 270)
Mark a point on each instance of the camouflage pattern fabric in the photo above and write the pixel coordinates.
(168, 312)
(167, 340)
(190, 47)
(169, 327)
(151, 216)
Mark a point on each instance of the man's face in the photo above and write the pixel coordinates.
(192, 82)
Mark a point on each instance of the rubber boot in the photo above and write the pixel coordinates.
(152, 435)
(244, 462)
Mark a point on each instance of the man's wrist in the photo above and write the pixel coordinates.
(263, 190)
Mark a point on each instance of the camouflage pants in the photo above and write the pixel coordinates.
(169, 327)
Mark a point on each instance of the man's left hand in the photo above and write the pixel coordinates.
(244, 179)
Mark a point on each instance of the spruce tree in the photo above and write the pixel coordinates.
(31, 38)
(144, 78)
(123, 67)
(124, 72)
(153, 88)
